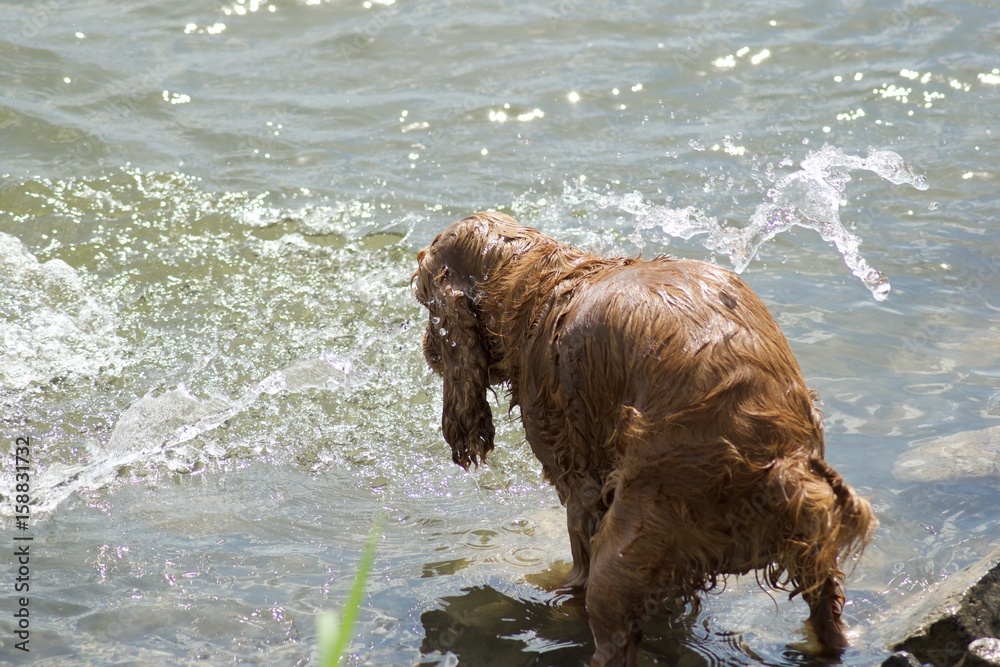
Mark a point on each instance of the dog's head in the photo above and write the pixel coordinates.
(458, 344)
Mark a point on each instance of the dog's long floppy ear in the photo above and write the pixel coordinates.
(455, 348)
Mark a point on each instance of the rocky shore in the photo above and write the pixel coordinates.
(956, 624)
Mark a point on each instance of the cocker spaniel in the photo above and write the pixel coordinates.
(664, 405)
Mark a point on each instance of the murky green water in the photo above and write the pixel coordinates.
(209, 216)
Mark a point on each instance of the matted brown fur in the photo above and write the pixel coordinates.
(665, 407)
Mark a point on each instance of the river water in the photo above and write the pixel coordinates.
(209, 215)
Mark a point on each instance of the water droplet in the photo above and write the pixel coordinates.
(933, 206)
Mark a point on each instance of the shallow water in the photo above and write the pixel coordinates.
(209, 216)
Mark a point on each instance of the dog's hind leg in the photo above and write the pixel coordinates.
(614, 604)
(832, 522)
(621, 591)
(583, 514)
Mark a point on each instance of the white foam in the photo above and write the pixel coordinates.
(50, 325)
(158, 423)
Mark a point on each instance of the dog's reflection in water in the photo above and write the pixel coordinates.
(487, 628)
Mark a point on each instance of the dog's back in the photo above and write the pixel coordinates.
(690, 347)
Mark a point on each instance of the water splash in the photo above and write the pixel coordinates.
(810, 197)
(156, 424)
(50, 324)
(177, 416)
(169, 354)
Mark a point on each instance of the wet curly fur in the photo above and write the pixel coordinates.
(664, 405)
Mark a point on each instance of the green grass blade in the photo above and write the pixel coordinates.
(335, 632)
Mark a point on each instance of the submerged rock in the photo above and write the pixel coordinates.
(965, 455)
(956, 622)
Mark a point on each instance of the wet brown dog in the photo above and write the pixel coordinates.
(665, 407)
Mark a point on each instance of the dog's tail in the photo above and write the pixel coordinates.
(829, 522)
